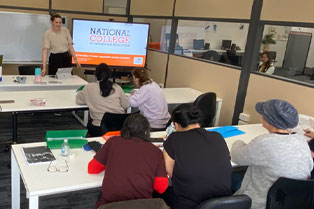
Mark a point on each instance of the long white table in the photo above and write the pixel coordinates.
(65, 100)
(39, 182)
(175, 96)
(47, 83)
(55, 100)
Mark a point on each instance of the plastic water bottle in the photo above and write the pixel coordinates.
(37, 75)
(170, 129)
(65, 149)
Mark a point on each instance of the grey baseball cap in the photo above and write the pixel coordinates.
(278, 113)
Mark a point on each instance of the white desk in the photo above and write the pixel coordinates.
(55, 100)
(38, 182)
(47, 83)
(176, 96)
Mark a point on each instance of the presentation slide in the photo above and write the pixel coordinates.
(113, 43)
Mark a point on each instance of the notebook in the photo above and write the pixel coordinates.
(37, 155)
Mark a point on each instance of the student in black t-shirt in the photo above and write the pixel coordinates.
(197, 161)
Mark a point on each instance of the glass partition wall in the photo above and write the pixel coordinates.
(290, 50)
(158, 32)
(222, 42)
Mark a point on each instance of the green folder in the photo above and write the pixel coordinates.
(127, 88)
(76, 138)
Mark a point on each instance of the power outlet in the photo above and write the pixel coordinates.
(244, 117)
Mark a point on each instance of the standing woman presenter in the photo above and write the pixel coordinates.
(59, 43)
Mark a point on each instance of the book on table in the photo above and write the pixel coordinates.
(37, 155)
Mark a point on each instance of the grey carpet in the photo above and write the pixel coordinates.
(32, 128)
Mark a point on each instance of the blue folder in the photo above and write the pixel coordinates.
(227, 131)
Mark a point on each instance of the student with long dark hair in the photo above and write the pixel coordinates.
(134, 166)
(150, 100)
(198, 161)
(58, 42)
(266, 65)
(102, 96)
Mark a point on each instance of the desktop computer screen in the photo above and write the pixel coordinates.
(226, 44)
(198, 43)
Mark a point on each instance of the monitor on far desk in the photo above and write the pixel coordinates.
(226, 44)
(198, 44)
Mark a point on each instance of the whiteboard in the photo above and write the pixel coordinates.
(21, 36)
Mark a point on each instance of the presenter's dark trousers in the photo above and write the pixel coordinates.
(59, 60)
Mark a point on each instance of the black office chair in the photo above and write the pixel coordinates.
(212, 55)
(113, 121)
(273, 55)
(27, 69)
(291, 194)
(207, 104)
(155, 203)
(229, 202)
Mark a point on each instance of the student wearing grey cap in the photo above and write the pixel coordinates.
(280, 153)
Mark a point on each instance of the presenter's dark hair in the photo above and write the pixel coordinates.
(141, 74)
(103, 73)
(136, 125)
(53, 16)
(186, 114)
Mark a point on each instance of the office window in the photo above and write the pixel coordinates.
(157, 32)
(291, 51)
(216, 41)
(115, 6)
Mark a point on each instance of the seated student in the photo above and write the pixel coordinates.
(101, 97)
(266, 65)
(281, 153)
(150, 100)
(134, 166)
(310, 134)
(198, 161)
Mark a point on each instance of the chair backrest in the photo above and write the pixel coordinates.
(272, 54)
(207, 104)
(27, 69)
(229, 202)
(212, 55)
(155, 203)
(113, 121)
(291, 194)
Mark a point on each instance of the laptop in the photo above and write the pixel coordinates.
(64, 73)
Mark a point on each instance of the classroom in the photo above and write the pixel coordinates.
(193, 46)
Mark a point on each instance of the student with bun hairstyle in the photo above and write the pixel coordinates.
(101, 97)
(150, 100)
(134, 166)
(198, 161)
(58, 42)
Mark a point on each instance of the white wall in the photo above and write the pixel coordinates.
(226, 31)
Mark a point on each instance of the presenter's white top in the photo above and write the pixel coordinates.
(57, 42)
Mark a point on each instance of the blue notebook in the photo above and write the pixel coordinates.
(227, 131)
